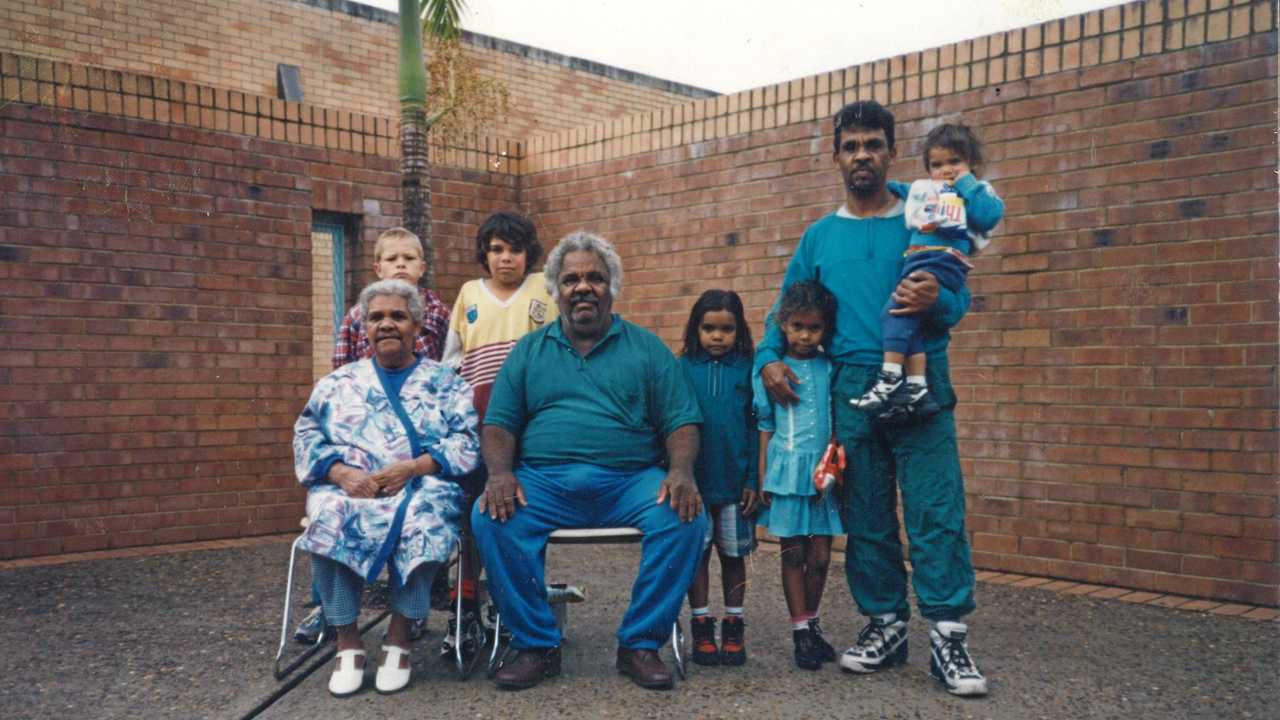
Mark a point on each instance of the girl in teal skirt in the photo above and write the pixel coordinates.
(792, 441)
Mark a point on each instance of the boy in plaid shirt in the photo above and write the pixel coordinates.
(398, 254)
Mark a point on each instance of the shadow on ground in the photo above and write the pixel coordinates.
(193, 635)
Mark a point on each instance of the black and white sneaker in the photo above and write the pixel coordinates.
(920, 402)
(950, 661)
(877, 398)
(881, 644)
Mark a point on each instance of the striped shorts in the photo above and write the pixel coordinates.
(733, 535)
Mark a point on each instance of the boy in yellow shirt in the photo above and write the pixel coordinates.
(492, 313)
(489, 316)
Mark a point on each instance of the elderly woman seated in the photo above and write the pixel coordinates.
(376, 447)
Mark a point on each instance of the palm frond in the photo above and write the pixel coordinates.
(442, 18)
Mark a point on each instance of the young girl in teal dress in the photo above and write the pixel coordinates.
(792, 441)
(717, 358)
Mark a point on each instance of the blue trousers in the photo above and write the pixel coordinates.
(586, 496)
(902, 332)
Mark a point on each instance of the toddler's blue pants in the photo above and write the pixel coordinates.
(902, 332)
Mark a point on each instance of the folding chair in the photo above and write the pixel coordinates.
(278, 672)
(588, 536)
(464, 669)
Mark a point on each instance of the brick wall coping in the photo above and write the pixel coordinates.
(1080, 42)
(115, 92)
(528, 52)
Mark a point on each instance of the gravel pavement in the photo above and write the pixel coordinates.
(193, 635)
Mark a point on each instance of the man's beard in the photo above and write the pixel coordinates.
(869, 188)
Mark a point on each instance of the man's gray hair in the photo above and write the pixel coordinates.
(397, 288)
(579, 241)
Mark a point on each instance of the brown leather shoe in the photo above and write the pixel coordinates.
(645, 668)
(528, 668)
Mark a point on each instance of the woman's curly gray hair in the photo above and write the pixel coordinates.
(397, 288)
(583, 241)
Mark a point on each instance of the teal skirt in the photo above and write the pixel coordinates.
(794, 515)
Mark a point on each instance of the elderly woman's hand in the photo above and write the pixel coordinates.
(354, 482)
(393, 477)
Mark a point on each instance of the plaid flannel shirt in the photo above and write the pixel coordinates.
(352, 343)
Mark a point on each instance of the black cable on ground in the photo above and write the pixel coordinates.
(296, 678)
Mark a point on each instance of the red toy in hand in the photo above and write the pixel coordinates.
(830, 468)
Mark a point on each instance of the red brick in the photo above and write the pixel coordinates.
(1246, 549)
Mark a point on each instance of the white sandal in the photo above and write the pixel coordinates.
(347, 677)
(391, 677)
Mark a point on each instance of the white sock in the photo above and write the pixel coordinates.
(887, 618)
(733, 611)
(892, 368)
(704, 610)
(946, 627)
(802, 625)
(917, 380)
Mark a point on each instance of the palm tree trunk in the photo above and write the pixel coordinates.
(415, 184)
(415, 165)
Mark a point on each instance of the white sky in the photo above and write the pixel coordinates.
(732, 45)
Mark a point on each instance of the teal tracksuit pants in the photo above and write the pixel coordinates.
(922, 461)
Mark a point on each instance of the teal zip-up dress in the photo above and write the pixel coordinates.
(728, 459)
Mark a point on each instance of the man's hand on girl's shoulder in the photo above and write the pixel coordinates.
(777, 379)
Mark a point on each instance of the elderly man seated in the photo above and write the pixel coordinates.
(607, 433)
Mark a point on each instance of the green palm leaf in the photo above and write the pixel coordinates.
(440, 18)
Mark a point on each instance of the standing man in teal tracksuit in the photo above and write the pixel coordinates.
(857, 253)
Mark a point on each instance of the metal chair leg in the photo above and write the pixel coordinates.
(677, 640)
(457, 615)
(495, 658)
(288, 599)
(467, 631)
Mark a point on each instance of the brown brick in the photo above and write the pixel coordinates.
(1116, 363)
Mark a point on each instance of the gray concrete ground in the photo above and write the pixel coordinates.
(193, 636)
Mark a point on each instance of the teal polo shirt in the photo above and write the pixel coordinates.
(613, 407)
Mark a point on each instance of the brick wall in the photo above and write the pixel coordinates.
(1117, 373)
(346, 52)
(157, 302)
